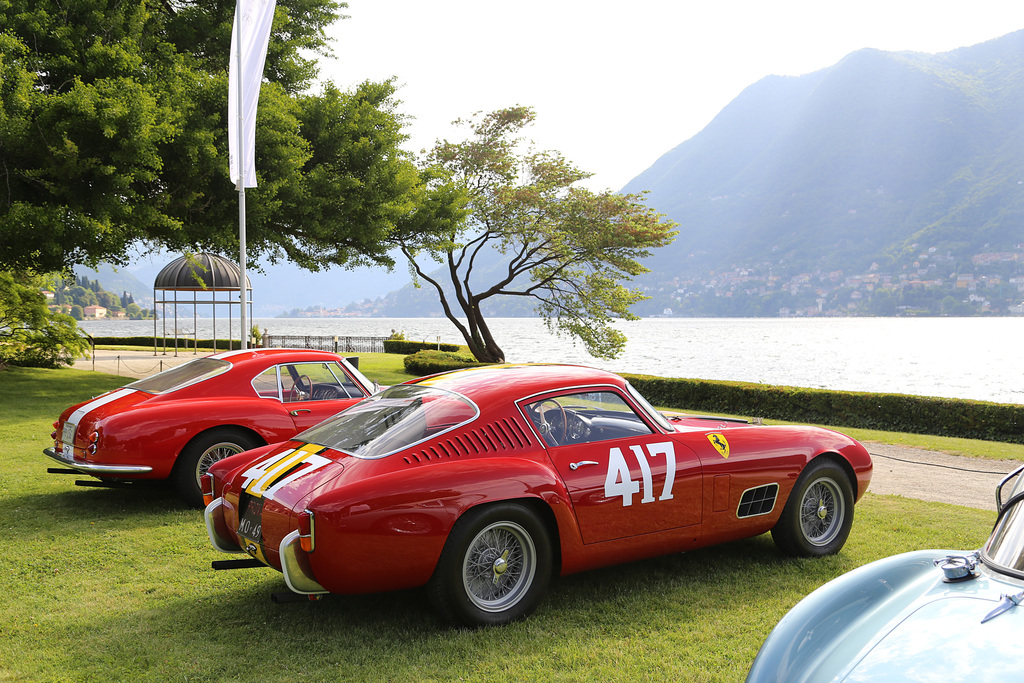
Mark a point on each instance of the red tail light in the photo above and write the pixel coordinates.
(307, 527)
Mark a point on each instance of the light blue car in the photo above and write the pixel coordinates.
(928, 615)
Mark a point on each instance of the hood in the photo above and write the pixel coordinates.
(946, 640)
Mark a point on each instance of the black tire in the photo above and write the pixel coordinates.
(819, 513)
(495, 566)
(202, 451)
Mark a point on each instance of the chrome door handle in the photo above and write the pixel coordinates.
(576, 465)
(295, 413)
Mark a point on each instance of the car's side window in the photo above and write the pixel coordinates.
(584, 418)
(316, 382)
(267, 385)
(346, 383)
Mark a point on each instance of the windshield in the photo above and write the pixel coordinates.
(1005, 547)
(392, 420)
(184, 375)
(646, 405)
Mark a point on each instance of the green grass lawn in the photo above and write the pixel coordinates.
(116, 584)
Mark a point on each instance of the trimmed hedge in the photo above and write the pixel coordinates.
(888, 412)
(431, 361)
(183, 342)
(408, 347)
(398, 346)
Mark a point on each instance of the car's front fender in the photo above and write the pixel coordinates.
(821, 635)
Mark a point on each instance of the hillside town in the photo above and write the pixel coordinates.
(85, 299)
(934, 282)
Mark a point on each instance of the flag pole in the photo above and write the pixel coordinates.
(244, 334)
(250, 35)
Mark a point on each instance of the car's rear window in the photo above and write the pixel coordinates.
(392, 420)
(183, 375)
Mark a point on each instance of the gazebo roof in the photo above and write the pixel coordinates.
(200, 272)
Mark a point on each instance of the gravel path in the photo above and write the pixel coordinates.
(135, 364)
(931, 475)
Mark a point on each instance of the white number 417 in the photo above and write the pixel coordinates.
(619, 481)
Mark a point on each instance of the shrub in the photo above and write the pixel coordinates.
(430, 362)
(404, 347)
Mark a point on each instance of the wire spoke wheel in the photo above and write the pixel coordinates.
(818, 514)
(821, 512)
(203, 451)
(214, 453)
(495, 566)
(499, 566)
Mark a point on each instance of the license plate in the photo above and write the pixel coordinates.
(250, 523)
(67, 438)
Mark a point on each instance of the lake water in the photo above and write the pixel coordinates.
(976, 358)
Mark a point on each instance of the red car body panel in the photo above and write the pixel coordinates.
(381, 523)
(136, 429)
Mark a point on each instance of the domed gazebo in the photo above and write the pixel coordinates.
(204, 274)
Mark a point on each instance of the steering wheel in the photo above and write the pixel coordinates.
(327, 392)
(296, 393)
(548, 428)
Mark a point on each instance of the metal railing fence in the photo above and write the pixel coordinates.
(321, 343)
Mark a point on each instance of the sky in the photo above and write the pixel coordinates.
(617, 85)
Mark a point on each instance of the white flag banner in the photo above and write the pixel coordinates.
(250, 34)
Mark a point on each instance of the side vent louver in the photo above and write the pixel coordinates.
(758, 501)
(503, 436)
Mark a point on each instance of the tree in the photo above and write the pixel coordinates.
(563, 247)
(29, 333)
(113, 132)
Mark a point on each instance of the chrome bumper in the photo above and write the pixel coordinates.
(295, 565)
(95, 469)
(217, 528)
(294, 561)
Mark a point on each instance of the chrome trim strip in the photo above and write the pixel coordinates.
(295, 566)
(216, 528)
(95, 469)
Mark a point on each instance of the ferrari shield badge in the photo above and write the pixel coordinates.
(720, 443)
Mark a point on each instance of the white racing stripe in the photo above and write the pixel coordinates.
(68, 436)
(87, 408)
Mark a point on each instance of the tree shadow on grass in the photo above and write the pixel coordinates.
(137, 504)
(223, 625)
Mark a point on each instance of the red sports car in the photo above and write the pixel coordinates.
(482, 484)
(174, 424)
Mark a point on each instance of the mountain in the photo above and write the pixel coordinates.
(119, 280)
(856, 167)
(891, 183)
